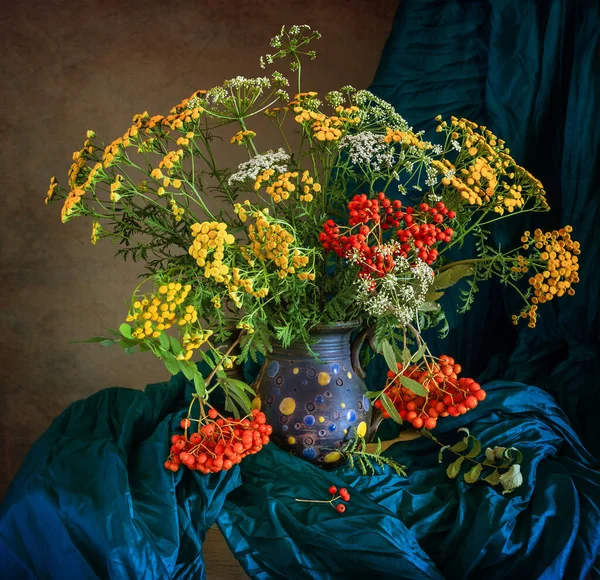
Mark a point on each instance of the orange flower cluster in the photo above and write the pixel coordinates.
(242, 136)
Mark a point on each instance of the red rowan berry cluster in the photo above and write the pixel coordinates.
(447, 395)
(220, 442)
(340, 507)
(417, 232)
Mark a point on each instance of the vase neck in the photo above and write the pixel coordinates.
(330, 344)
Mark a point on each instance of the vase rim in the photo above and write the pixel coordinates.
(335, 327)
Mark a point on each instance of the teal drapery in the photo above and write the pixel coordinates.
(530, 71)
(92, 499)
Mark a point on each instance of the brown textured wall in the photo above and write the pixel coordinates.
(71, 66)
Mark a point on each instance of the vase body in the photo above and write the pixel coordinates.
(314, 405)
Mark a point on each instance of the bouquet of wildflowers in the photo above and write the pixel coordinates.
(347, 215)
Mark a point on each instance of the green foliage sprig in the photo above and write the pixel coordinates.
(497, 466)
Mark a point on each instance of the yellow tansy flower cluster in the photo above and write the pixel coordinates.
(92, 176)
(171, 159)
(114, 186)
(559, 252)
(51, 188)
(79, 159)
(511, 198)
(269, 241)
(280, 188)
(71, 201)
(211, 238)
(96, 230)
(185, 140)
(478, 180)
(185, 112)
(240, 210)
(324, 128)
(160, 311)
(407, 138)
(242, 136)
(246, 284)
(177, 211)
(309, 187)
(193, 341)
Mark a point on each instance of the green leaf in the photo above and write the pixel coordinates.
(441, 453)
(125, 330)
(412, 385)
(389, 355)
(164, 341)
(489, 455)
(187, 369)
(103, 340)
(419, 354)
(518, 456)
(463, 430)
(240, 397)
(460, 446)
(406, 356)
(199, 384)
(451, 276)
(493, 478)
(473, 474)
(454, 468)
(171, 363)
(433, 296)
(429, 307)
(372, 394)
(475, 450)
(512, 479)
(389, 407)
(175, 346)
(127, 343)
(242, 385)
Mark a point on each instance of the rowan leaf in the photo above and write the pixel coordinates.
(412, 385)
(389, 407)
(389, 355)
(451, 276)
(454, 468)
(473, 474)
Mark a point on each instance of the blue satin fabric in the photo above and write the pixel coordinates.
(93, 500)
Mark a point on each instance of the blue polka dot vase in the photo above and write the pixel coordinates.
(314, 405)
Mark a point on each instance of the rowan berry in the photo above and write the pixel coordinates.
(341, 508)
(332, 489)
(212, 413)
(185, 423)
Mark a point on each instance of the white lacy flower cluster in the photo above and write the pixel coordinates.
(269, 160)
(400, 293)
(379, 111)
(256, 86)
(368, 149)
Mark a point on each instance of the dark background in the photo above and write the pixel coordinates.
(71, 66)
